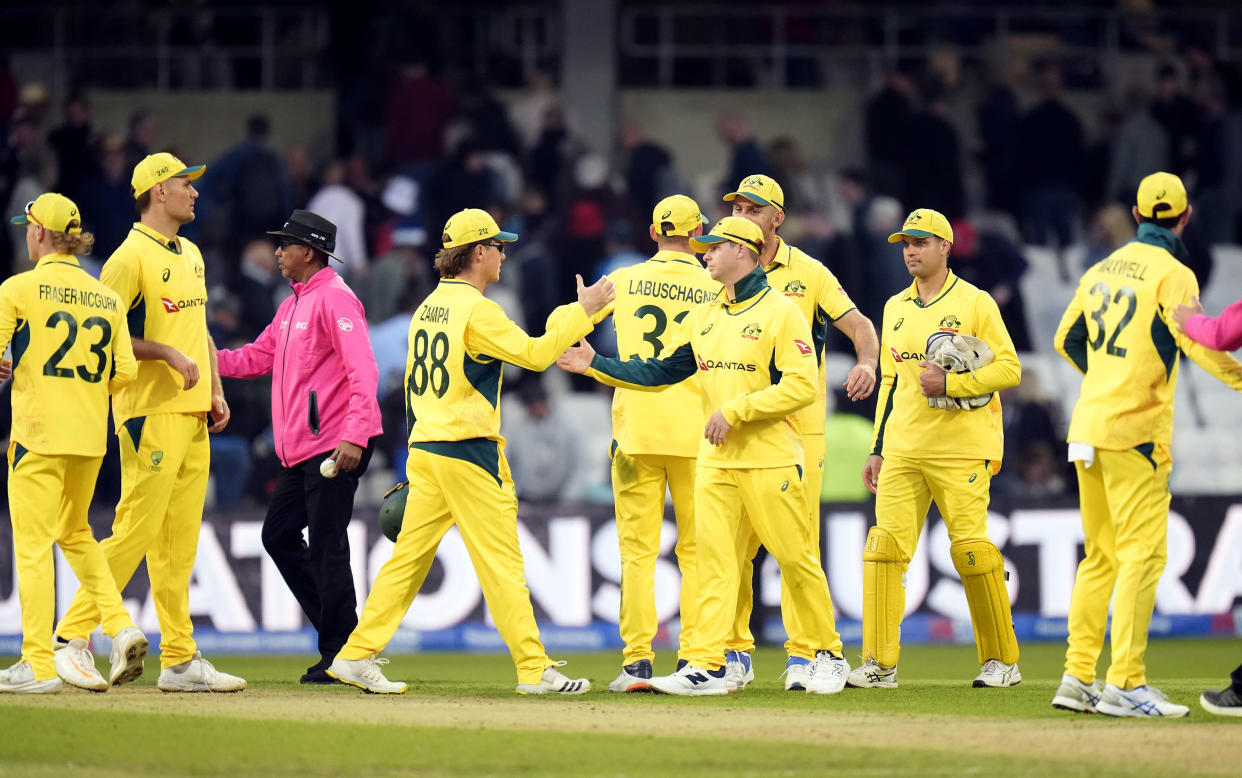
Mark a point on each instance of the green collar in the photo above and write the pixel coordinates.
(1155, 235)
(753, 283)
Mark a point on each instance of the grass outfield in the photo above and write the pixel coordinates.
(462, 717)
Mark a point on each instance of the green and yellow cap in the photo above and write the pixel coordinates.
(471, 226)
(155, 168)
(1161, 195)
(759, 189)
(53, 212)
(924, 223)
(731, 228)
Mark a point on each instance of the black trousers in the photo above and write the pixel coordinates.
(318, 574)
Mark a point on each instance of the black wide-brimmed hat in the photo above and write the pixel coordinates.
(311, 229)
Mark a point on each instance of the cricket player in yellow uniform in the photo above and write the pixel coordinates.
(70, 348)
(655, 440)
(1119, 331)
(923, 453)
(823, 301)
(458, 474)
(161, 421)
(752, 352)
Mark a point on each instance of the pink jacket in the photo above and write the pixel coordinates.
(1223, 333)
(323, 371)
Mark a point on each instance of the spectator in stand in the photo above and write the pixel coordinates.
(1051, 154)
(1031, 423)
(805, 192)
(32, 102)
(258, 287)
(527, 110)
(417, 111)
(1141, 147)
(990, 261)
(549, 159)
(542, 446)
(1098, 160)
(392, 274)
(232, 450)
(298, 164)
(1213, 166)
(105, 196)
(487, 119)
(887, 127)
(463, 181)
(21, 159)
(75, 145)
(8, 93)
(390, 341)
(340, 204)
(999, 123)
(143, 128)
(745, 156)
(939, 178)
(1179, 115)
(884, 215)
(648, 167)
(248, 188)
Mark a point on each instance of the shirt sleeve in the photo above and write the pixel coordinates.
(797, 375)
(124, 365)
(491, 333)
(122, 273)
(832, 299)
(888, 391)
(1071, 338)
(8, 312)
(674, 364)
(1179, 288)
(347, 327)
(1004, 371)
(1223, 333)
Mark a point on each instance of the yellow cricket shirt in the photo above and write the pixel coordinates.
(459, 341)
(755, 364)
(70, 348)
(821, 298)
(652, 297)
(161, 281)
(1118, 330)
(904, 424)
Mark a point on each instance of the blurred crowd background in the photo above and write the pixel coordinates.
(1029, 126)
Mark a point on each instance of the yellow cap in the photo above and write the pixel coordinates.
(679, 212)
(472, 225)
(759, 189)
(1160, 196)
(155, 168)
(924, 223)
(731, 228)
(53, 212)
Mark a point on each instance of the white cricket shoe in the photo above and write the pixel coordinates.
(76, 666)
(872, 675)
(995, 674)
(739, 670)
(797, 671)
(633, 677)
(1077, 696)
(691, 681)
(1139, 702)
(365, 674)
(828, 674)
(20, 679)
(129, 648)
(198, 675)
(553, 681)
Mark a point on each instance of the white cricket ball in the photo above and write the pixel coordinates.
(327, 468)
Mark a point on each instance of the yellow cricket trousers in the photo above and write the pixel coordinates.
(445, 491)
(904, 494)
(638, 484)
(1125, 516)
(812, 477)
(729, 505)
(49, 497)
(165, 461)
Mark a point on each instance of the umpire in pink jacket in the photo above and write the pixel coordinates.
(323, 405)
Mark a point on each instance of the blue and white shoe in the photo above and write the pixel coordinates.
(691, 681)
(633, 677)
(1140, 702)
(1077, 696)
(797, 671)
(739, 671)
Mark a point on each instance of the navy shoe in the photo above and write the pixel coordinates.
(633, 677)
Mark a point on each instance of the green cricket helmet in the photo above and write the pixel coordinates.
(393, 509)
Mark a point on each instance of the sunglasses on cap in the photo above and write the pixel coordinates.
(30, 215)
(494, 244)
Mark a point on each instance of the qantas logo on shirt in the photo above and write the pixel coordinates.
(802, 347)
(902, 356)
(795, 289)
(712, 364)
(181, 305)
